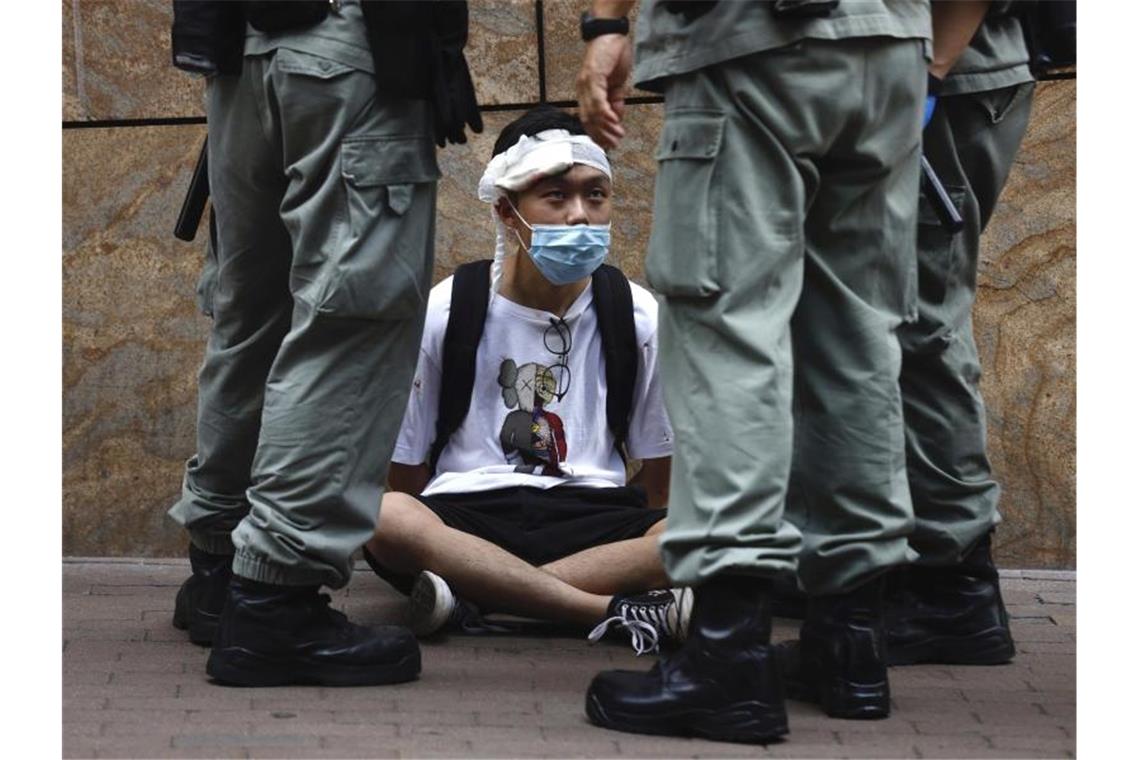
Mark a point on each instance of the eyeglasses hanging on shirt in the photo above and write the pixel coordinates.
(557, 340)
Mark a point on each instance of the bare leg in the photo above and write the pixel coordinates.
(623, 566)
(410, 538)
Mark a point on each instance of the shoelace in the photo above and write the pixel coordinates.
(641, 621)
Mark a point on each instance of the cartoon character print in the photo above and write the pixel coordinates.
(533, 439)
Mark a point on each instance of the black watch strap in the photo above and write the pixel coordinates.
(596, 27)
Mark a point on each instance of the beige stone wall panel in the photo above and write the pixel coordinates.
(1025, 325)
(116, 59)
(119, 51)
(132, 338)
(72, 110)
(502, 51)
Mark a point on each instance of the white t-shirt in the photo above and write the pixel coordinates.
(532, 423)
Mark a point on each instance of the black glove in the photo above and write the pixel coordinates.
(453, 96)
(452, 92)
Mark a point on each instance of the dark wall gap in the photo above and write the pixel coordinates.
(540, 28)
(176, 121)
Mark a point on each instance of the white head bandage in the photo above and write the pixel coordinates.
(546, 154)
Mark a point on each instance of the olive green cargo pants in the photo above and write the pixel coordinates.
(971, 143)
(784, 246)
(324, 194)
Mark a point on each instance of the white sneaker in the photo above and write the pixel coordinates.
(435, 607)
(432, 604)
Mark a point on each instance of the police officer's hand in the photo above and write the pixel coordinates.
(602, 87)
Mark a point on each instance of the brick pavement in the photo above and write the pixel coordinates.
(134, 687)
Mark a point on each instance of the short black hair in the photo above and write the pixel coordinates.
(537, 119)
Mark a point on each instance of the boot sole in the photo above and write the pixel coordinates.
(746, 722)
(993, 646)
(845, 700)
(202, 631)
(235, 666)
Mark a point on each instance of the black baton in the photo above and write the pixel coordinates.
(939, 199)
(195, 201)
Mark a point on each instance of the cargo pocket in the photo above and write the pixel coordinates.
(307, 64)
(382, 266)
(936, 264)
(683, 254)
(998, 103)
(208, 280)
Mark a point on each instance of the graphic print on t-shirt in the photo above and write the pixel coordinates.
(532, 438)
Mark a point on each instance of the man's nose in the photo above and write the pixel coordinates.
(577, 212)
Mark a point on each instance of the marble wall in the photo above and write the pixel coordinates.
(133, 339)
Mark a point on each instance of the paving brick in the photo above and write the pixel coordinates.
(1019, 596)
(156, 725)
(223, 740)
(1047, 729)
(1029, 610)
(268, 699)
(86, 727)
(996, 698)
(928, 745)
(1046, 745)
(109, 630)
(109, 715)
(952, 693)
(88, 702)
(1048, 647)
(380, 733)
(1066, 710)
(144, 704)
(115, 747)
(1049, 632)
(667, 747)
(980, 753)
(1061, 575)
(348, 746)
(302, 752)
(411, 746)
(439, 717)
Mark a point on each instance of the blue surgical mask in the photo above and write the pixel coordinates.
(565, 253)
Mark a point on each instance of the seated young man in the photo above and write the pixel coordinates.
(525, 508)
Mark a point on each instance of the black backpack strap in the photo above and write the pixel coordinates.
(613, 303)
(469, 292)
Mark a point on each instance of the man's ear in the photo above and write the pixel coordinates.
(506, 214)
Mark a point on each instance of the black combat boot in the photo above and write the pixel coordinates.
(951, 615)
(723, 683)
(199, 601)
(839, 661)
(276, 635)
(787, 599)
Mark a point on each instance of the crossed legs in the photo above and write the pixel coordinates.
(574, 589)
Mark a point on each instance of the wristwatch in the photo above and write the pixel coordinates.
(596, 27)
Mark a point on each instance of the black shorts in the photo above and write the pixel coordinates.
(540, 525)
